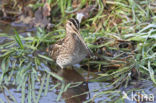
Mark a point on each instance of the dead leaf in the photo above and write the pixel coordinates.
(39, 19)
(76, 3)
(46, 9)
(85, 13)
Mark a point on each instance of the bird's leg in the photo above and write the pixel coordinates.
(88, 73)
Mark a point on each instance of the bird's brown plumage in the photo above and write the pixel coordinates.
(72, 49)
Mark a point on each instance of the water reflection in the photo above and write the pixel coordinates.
(74, 94)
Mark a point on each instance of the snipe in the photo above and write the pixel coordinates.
(72, 49)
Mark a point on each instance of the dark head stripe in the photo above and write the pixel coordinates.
(75, 22)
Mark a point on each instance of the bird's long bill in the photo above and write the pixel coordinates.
(82, 41)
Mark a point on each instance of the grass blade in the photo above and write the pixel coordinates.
(41, 88)
(18, 40)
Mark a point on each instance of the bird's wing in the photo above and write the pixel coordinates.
(79, 38)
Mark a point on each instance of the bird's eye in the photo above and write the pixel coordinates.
(70, 24)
